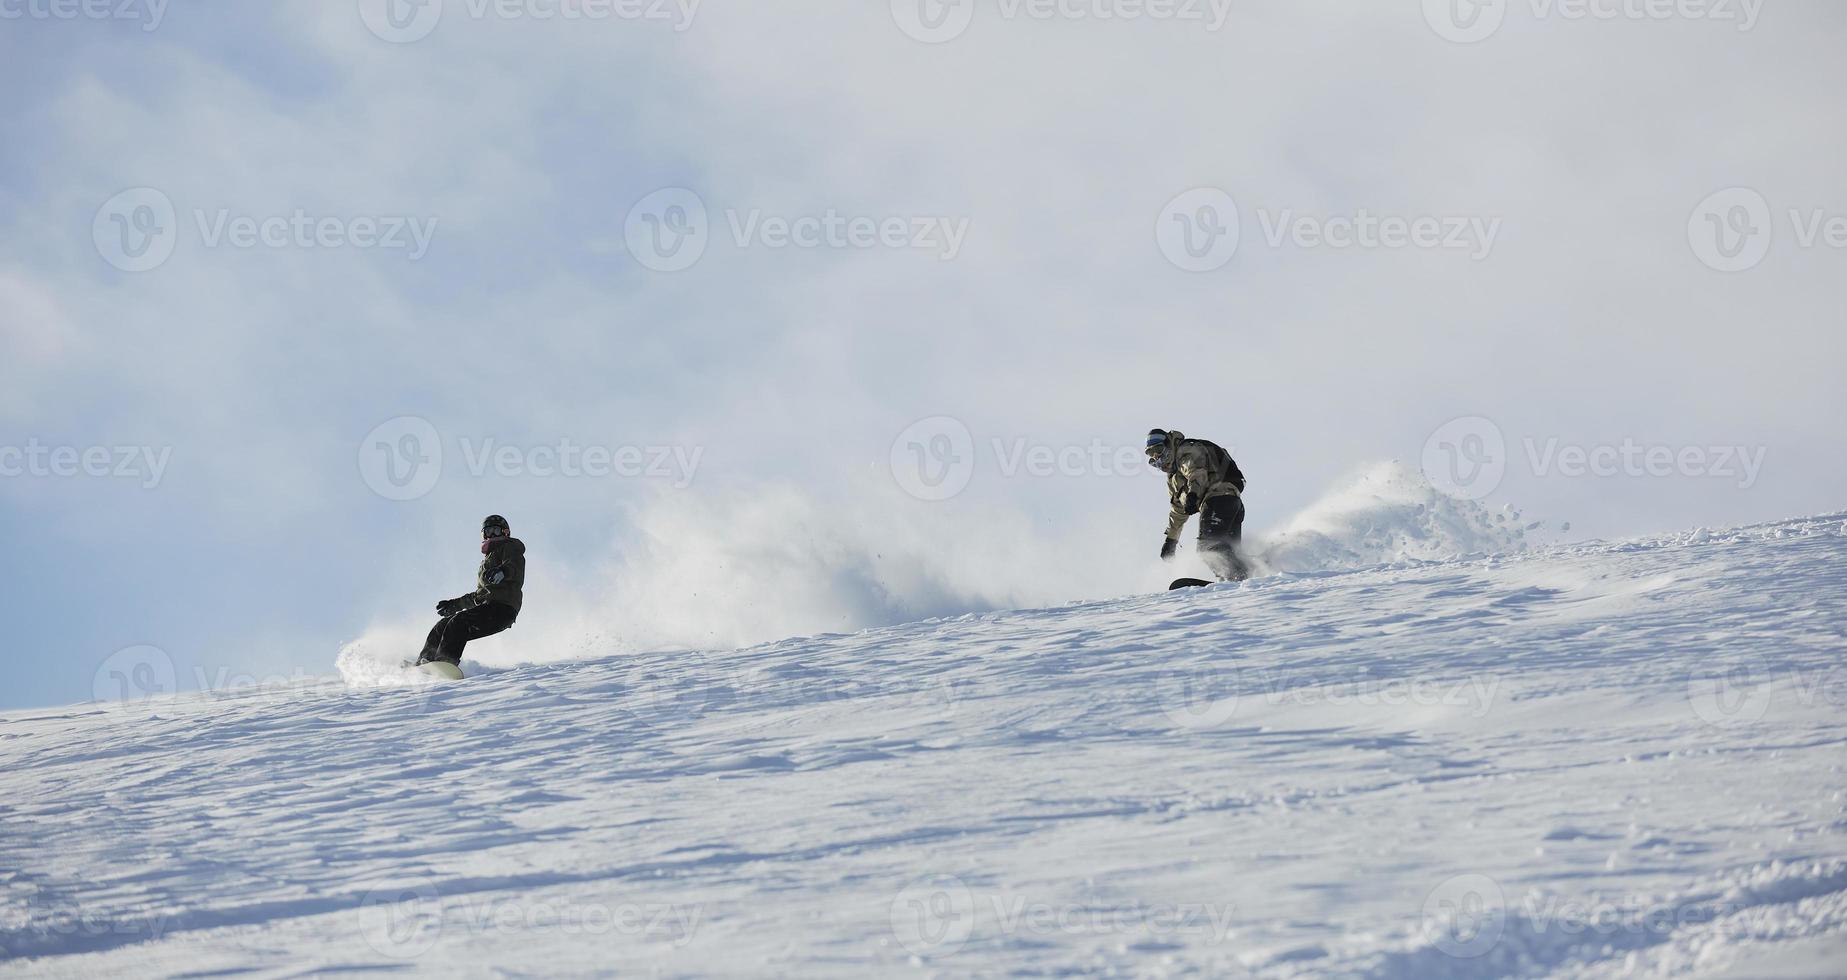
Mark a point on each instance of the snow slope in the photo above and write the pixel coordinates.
(1607, 759)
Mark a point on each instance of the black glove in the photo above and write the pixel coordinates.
(1189, 502)
(1168, 547)
(449, 607)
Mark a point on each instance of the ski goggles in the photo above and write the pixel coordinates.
(1157, 451)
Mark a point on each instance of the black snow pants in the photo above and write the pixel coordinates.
(1221, 531)
(452, 633)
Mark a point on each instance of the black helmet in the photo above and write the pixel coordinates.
(495, 526)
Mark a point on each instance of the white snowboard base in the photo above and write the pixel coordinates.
(443, 669)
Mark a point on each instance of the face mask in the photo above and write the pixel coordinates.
(1157, 452)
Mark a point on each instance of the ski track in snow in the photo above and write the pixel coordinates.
(1609, 759)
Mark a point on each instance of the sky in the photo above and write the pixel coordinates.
(760, 320)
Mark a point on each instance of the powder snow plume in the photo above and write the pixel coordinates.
(1387, 512)
(728, 571)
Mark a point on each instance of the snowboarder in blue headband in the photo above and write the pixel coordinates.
(1202, 479)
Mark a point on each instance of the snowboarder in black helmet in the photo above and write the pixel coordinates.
(1202, 479)
(492, 606)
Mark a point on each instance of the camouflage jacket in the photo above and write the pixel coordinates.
(1200, 471)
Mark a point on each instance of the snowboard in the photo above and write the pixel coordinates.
(442, 669)
(1188, 583)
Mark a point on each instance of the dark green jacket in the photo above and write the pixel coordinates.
(502, 576)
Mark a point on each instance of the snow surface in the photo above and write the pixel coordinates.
(1605, 759)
